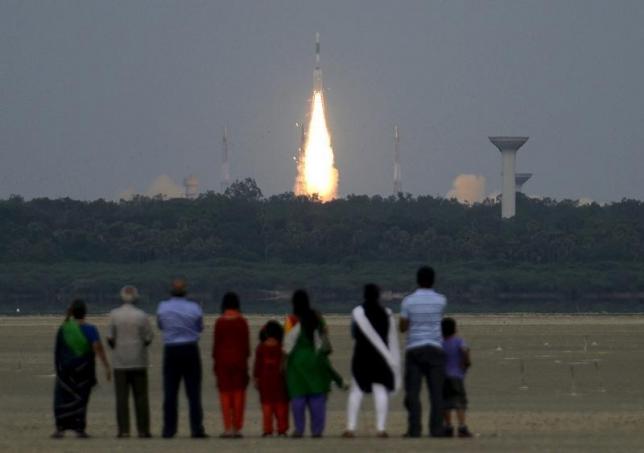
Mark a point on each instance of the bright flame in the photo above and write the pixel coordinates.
(316, 171)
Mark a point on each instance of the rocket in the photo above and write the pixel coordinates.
(317, 72)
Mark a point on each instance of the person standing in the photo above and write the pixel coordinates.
(230, 353)
(181, 321)
(376, 359)
(420, 316)
(457, 362)
(129, 336)
(77, 344)
(307, 370)
(268, 374)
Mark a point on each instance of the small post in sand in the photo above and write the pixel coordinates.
(573, 384)
(524, 385)
(602, 388)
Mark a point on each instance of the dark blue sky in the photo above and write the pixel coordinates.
(100, 96)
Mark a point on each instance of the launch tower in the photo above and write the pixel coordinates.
(225, 165)
(397, 175)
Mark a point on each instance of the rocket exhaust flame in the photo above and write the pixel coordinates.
(316, 171)
(317, 163)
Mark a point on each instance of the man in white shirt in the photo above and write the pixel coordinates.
(129, 336)
(420, 316)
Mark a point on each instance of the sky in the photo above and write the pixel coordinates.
(102, 97)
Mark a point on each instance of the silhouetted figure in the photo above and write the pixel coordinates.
(457, 361)
(181, 321)
(270, 380)
(375, 365)
(129, 336)
(308, 374)
(420, 316)
(77, 344)
(230, 353)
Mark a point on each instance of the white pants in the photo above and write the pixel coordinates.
(380, 402)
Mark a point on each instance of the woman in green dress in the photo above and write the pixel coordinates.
(308, 374)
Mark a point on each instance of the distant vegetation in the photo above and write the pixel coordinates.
(554, 256)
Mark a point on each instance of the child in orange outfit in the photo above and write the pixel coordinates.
(230, 353)
(270, 380)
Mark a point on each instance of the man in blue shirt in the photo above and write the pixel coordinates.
(420, 316)
(181, 321)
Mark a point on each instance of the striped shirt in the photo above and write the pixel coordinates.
(424, 310)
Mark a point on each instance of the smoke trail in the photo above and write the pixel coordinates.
(468, 189)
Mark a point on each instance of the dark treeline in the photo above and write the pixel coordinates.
(598, 247)
(242, 224)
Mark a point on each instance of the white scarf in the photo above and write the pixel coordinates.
(291, 338)
(390, 352)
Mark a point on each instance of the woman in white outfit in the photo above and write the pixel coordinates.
(376, 359)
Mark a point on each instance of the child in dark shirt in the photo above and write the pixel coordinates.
(270, 380)
(457, 361)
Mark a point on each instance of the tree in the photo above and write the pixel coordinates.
(244, 190)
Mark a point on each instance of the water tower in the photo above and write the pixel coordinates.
(508, 147)
(520, 179)
(191, 185)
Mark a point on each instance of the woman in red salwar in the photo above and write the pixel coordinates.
(230, 353)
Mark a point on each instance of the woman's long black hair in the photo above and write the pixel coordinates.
(374, 311)
(308, 318)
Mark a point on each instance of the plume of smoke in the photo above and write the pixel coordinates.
(166, 187)
(468, 189)
(162, 185)
(127, 194)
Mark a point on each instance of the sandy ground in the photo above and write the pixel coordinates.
(543, 409)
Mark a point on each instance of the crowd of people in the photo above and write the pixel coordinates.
(292, 369)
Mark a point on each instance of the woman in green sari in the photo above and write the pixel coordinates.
(308, 372)
(77, 343)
